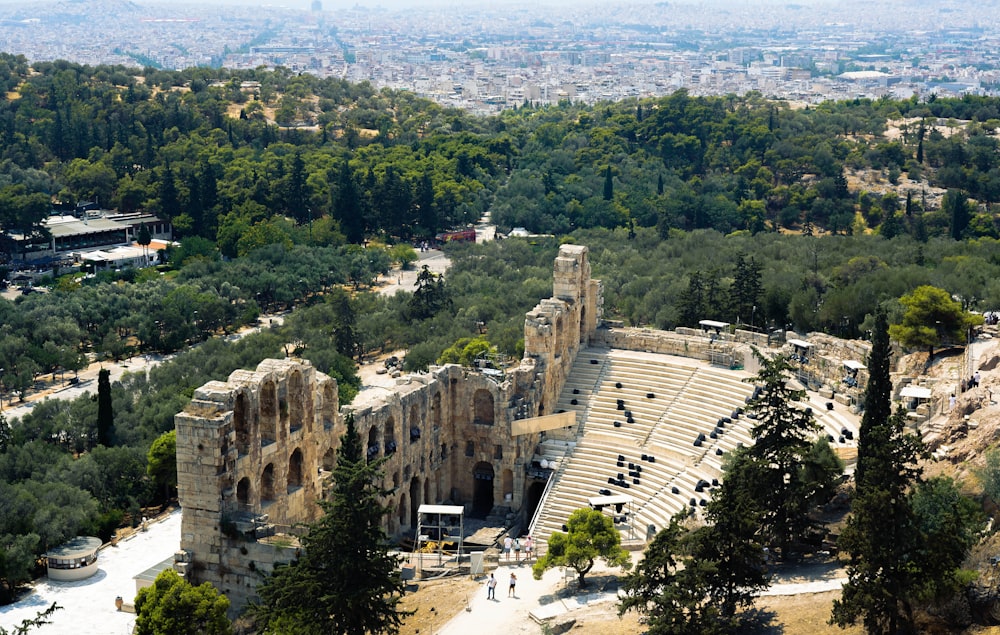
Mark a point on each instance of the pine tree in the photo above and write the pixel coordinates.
(346, 580)
(105, 415)
(783, 441)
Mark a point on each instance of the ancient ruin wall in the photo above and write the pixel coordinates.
(253, 452)
(249, 458)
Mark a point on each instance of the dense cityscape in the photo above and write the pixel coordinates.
(486, 59)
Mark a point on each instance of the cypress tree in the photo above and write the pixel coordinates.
(609, 184)
(105, 415)
(882, 534)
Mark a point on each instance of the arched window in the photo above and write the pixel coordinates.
(329, 460)
(243, 492)
(414, 422)
(242, 424)
(267, 484)
(389, 436)
(268, 413)
(373, 446)
(295, 470)
(436, 411)
(483, 407)
(329, 405)
(296, 403)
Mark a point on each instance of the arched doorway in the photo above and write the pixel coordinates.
(532, 498)
(482, 495)
(415, 501)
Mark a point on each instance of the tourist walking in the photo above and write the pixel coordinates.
(491, 588)
(513, 583)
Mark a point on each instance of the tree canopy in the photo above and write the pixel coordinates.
(590, 534)
(173, 605)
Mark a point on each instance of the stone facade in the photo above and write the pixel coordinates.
(253, 452)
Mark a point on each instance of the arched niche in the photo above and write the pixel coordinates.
(295, 470)
(507, 485)
(482, 407)
(268, 412)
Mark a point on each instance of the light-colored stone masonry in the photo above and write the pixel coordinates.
(255, 451)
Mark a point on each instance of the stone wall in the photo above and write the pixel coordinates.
(250, 453)
(254, 451)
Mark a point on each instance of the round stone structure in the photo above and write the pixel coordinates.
(74, 560)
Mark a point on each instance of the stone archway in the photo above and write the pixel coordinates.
(482, 495)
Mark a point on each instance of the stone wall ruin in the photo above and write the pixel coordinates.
(254, 451)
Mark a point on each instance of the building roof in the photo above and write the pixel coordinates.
(76, 548)
(149, 575)
(61, 227)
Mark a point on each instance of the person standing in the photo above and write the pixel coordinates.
(517, 550)
(507, 544)
(491, 588)
(513, 583)
(528, 547)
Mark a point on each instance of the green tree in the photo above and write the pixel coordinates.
(783, 442)
(144, 238)
(590, 535)
(161, 465)
(105, 414)
(882, 535)
(746, 289)
(956, 206)
(346, 581)
(173, 605)
(667, 587)
(41, 619)
(932, 318)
